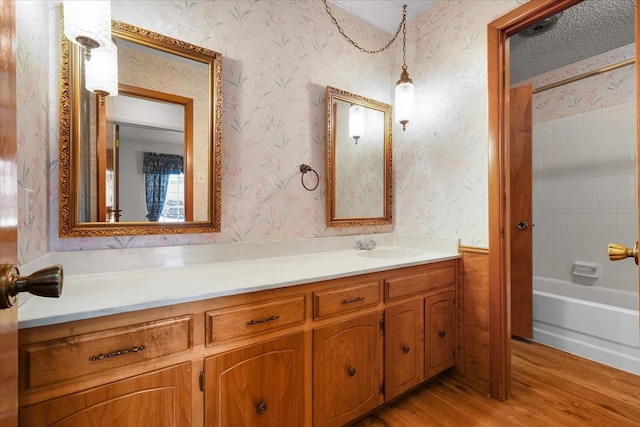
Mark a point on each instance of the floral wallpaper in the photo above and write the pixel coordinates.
(600, 91)
(32, 75)
(440, 162)
(278, 58)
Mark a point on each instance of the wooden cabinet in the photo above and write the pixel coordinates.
(425, 318)
(439, 332)
(403, 347)
(55, 361)
(253, 319)
(429, 278)
(332, 302)
(321, 354)
(160, 398)
(347, 369)
(260, 385)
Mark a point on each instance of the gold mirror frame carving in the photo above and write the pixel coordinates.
(332, 94)
(69, 226)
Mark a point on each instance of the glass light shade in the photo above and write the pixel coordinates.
(101, 71)
(88, 23)
(356, 121)
(405, 103)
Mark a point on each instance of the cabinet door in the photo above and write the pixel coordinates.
(347, 369)
(160, 398)
(259, 385)
(440, 332)
(404, 347)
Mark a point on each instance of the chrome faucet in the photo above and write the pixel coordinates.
(366, 244)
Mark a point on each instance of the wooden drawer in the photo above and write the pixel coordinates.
(252, 319)
(337, 301)
(61, 359)
(438, 275)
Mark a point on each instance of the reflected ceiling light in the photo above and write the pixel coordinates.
(356, 122)
(88, 24)
(404, 92)
(101, 71)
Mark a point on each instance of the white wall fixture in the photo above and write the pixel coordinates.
(405, 91)
(101, 71)
(88, 24)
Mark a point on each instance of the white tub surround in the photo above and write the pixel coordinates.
(175, 275)
(597, 323)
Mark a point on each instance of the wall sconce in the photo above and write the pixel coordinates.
(88, 24)
(356, 122)
(101, 71)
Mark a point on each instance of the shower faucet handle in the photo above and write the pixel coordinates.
(618, 252)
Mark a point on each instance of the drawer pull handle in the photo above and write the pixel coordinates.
(262, 408)
(442, 334)
(350, 300)
(101, 356)
(351, 372)
(405, 348)
(266, 319)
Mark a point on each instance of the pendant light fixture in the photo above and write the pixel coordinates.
(88, 24)
(405, 91)
(101, 71)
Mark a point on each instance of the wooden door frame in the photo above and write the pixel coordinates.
(498, 33)
(8, 210)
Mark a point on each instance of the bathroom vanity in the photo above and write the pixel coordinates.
(323, 350)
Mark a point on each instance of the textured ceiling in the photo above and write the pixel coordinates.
(384, 14)
(587, 29)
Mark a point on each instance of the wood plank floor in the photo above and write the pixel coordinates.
(548, 388)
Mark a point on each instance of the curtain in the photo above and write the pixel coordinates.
(157, 167)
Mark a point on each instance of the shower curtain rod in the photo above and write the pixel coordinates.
(585, 75)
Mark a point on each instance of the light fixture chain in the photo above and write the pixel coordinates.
(404, 43)
(361, 49)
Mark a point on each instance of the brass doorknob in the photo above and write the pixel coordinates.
(45, 283)
(618, 252)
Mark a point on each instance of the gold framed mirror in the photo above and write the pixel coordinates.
(168, 112)
(359, 160)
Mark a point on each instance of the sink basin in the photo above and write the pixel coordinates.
(390, 253)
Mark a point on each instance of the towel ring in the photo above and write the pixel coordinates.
(303, 170)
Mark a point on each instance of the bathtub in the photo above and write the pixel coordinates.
(596, 323)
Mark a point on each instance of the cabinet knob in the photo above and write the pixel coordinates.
(262, 408)
(405, 348)
(442, 334)
(351, 372)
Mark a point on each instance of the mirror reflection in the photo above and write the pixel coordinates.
(358, 160)
(150, 135)
(146, 161)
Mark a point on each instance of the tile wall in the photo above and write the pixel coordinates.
(584, 170)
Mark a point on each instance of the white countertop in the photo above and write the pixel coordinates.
(92, 295)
